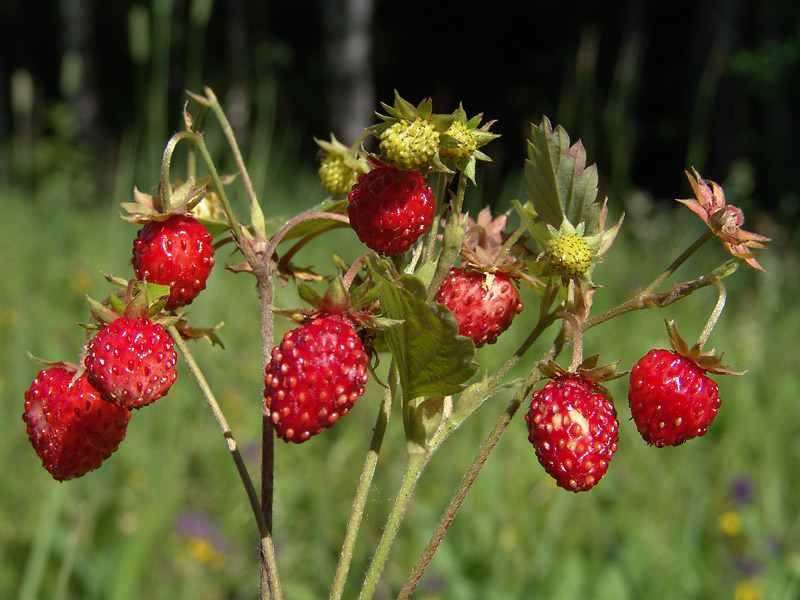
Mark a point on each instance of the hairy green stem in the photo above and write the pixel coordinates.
(451, 240)
(256, 214)
(415, 464)
(642, 299)
(364, 483)
(278, 237)
(715, 314)
(707, 235)
(440, 206)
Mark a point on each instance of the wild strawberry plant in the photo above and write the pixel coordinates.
(432, 284)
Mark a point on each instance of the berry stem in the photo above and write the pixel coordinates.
(452, 239)
(577, 339)
(430, 243)
(414, 466)
(278, 237)
(707, 235)
(660, 300)
(364, 483)
(268, 551)
(256, 214)
(715, 314)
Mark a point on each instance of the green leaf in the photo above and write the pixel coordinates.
(557, 180)
(431, 358)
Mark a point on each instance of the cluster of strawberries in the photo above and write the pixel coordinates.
(77, 416)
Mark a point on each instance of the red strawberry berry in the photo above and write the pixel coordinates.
(177, 252)
(671, 398)
(71, 428)
(482, 312)
(574, 429)
(390, 209)
(315, 376)
(131, 362)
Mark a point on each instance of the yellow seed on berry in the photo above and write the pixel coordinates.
(408, 145)
(569, 256)
(465, 143)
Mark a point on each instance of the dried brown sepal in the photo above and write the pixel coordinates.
(709, 361)
(723, 220)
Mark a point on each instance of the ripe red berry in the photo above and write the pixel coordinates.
(390, 209)
(315, 376)
(131, 362)
(482, 311)
(671, 398)
(71, 428)
(574, 429)
(177, 252)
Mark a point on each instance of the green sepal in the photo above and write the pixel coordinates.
(308, 294)
(431, 358)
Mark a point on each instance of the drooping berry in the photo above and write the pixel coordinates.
(389, 210)
(177, 252)
(484, 307)
(671, 398)
(131, 362)
(71, 428)
(314, 377)
(569, 255)
(574, 430)
(409, 145)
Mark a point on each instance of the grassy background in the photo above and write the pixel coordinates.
(166, 518)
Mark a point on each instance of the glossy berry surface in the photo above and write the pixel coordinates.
(483, 311)
(177, 252)
(389, 209)
(314, 377)
(71, 428)
(671, 399)
(131, 362)
(574, 430)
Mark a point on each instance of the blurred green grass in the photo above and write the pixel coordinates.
(651, 528)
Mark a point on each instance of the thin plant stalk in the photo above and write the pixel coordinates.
(268, 551)
(364, 483)
(715, 314)
(466, 484)
(256, 215)
(415, 465)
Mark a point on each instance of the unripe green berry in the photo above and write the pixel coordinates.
(335, 176)
(408, 145)
(465, 143)
(569, 256)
